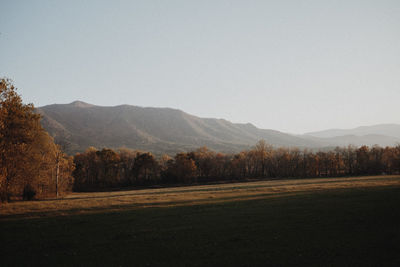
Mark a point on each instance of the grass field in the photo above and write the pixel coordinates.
(313, 222)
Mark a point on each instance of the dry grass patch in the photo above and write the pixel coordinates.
(78, 203)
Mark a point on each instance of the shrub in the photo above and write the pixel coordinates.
(29, 192)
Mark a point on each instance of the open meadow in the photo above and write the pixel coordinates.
(318, 222)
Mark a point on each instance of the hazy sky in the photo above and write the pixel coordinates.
(293, 66)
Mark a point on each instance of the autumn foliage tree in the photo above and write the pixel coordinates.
(146, 168)
(183, 168)
(28, 155)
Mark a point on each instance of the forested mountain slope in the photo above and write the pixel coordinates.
(159, 130)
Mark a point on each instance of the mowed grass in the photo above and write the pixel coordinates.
(322, 222)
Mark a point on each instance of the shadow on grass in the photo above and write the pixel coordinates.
(189, 202)
(346, 227)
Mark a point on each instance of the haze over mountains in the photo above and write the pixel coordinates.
(383, 129)
(166, 130)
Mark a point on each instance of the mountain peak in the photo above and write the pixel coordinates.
(80, 104)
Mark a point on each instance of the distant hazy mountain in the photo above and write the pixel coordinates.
(160, 130)
(380, 129)
(382, 134)
(345, 140)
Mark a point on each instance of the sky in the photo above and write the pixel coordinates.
(294, 66)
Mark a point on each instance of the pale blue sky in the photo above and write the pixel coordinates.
(293, 66)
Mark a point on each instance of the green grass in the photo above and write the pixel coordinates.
(343, 227)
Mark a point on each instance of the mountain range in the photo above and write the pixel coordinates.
(79, 125)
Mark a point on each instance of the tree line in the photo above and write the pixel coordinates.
(106, 168)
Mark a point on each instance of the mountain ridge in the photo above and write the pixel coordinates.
(168, 130)
(154, 129)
